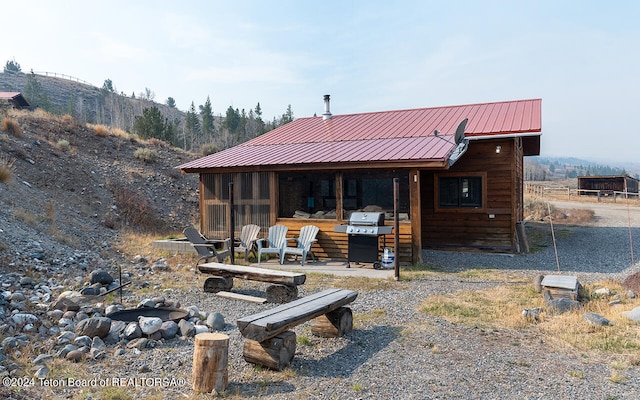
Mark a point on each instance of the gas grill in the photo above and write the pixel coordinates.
(364, 230)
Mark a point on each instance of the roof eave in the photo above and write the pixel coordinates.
(421, 164)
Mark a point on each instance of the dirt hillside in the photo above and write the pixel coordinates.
(73, 190)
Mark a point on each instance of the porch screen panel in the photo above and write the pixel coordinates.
(250, 198)
(214, 209)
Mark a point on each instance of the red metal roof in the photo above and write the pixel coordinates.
(17, 98)
(386, 136)
(8, 95)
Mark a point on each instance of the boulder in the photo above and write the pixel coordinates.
(149, 325)
(215, 321)
(596, 319)
(169, 330)
(75, 355)
(100, 276)
(92, 327)
(187, 329)
(82, 341)
(563, 305)
(21, 318)
(98, 344)
(132, 331)
(634, 315)
(139, 343)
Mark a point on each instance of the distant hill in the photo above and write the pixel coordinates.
(86, 103)
(559, 168)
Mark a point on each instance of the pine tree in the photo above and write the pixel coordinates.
(150, 124)
(12, 66)
(191, 128)
(206, 114)
(260, 127)
(35, 93)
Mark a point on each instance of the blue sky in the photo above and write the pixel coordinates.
(580, 57)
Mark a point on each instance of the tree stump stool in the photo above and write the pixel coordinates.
(210, 359)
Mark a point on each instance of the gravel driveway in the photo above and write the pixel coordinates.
(602, 248)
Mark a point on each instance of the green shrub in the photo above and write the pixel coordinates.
(209, 148)
(64, 145)
(146, 155)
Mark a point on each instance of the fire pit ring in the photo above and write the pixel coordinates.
(165, 314)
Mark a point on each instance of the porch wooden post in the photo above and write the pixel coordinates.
(396, 229)
(232, 223)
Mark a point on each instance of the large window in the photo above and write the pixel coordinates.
(314, 195)
(373, 191)
(307, 195)
(460, 192)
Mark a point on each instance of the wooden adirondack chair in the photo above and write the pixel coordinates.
(306, 239)
(274, 243)
(206, 248)
(247, 241)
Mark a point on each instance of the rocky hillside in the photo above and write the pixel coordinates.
(74, 189)
(85, 102)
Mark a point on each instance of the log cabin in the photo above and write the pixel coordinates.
(459, 168)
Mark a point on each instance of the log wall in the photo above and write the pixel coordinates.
(334, 245)
(492, 227)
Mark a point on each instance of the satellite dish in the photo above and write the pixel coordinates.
(460, 149)
(459, 136)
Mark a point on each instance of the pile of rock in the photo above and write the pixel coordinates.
(76, 326)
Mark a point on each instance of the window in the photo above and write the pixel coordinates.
(313, 194)
(373, 190)
(460, 192)
(304, 195)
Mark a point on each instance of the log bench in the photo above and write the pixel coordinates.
(284, 288)
(270, 343)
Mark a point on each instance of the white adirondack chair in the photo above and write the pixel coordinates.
(247, 241)
(274, 243)
(304, 242)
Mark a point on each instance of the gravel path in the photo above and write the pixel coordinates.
(600, 249)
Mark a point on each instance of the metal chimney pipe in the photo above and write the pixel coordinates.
(327, 114)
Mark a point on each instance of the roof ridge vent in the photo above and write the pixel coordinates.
(327, 114)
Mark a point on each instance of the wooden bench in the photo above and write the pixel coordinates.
(284, 288)
(270, 343)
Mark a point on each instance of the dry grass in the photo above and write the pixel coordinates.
(11, 126)
(157, 142)
(103, 131)
(146, 155)
(6, 168)
(501, 308)
(100, 130)
(538, 210)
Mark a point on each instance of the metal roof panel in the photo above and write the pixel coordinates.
(377, 136)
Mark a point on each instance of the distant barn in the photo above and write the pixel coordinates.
(15, 99)
(606, 185)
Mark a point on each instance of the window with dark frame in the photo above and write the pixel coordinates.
(313, 193)
(460, 192)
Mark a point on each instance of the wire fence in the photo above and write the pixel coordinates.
(63, 76)
(579, 194)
